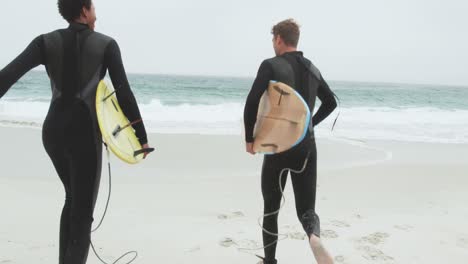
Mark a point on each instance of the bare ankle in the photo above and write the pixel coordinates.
(315, 242)
(320, 253)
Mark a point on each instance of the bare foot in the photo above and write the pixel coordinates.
(320, 253)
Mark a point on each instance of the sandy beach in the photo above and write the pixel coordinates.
(197, 199)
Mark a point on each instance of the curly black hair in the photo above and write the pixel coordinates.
(71, 9)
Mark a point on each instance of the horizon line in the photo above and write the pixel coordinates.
(250, 77)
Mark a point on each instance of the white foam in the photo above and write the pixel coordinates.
(415, 124)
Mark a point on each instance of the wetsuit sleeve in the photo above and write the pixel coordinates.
(122, 88)
(327, 97)
(30, 58)
(264, 75)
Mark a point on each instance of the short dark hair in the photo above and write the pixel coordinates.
(288, 30)
(71, 9)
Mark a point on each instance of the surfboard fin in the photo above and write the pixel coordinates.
(281, 92)
(141, 151)
(118, 128)
(109, 96)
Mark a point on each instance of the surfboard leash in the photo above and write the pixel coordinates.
(316, 74)
(339, 109)
(104, 215)
(283, 198)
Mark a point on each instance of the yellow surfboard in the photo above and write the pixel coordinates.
(117, 131)
(282, 121)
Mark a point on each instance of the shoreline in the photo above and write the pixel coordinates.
(329, 136)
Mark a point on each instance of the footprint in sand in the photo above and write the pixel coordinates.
(403, 227)
(227, 242)
(300, 235)
(375, 238)
(246, 243)
(297, 235)
(330, 234)
(195, 249)
(462, 242)
(366, 245)
(338, 223)
(34, 248)
(374, 254)
(294, 232)
(358, 216)
(340, 259)
(232, 215)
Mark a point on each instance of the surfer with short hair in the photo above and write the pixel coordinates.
(76, 59)
(292, 68)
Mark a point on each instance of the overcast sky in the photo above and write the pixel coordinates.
(413, 41)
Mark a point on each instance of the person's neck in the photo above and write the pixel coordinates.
(288, 49)
(81, 20)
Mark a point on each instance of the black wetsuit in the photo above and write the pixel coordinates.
(298, 72)
(76, 59)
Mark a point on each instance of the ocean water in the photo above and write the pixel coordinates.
(214, 105)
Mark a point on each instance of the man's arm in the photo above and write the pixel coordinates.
(30, 58)
(327, 97)
(123, 92)
(264, 75)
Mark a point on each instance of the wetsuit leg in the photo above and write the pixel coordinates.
(272, 200)
(54, 144)
(305, 186)
(86, 155)
(77, 158)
